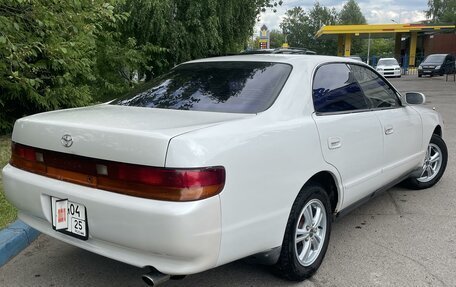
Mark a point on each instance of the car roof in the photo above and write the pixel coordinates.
(292, 59)
(387, 59)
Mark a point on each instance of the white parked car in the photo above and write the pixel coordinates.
(357, 58)
(221, 159)
(388, 67)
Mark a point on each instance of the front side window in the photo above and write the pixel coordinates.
(335, 89)
(376, 90)
(233, 87)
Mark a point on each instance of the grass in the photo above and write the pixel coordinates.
(7, 212)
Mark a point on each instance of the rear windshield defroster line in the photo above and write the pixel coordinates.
(232, 87)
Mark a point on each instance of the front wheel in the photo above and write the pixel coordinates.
(307, 234)
(434, 165)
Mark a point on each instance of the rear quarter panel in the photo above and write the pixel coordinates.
(267, 162)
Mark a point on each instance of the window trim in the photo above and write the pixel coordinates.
(396, 92)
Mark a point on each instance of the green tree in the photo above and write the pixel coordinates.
(277, 39)
(349, 15)
(441, 11)
(319, 16)
(161, 34)
(295, 25)
(301, 27)
(59, 54)
(382, 47)
(47, 52)
(190, 29)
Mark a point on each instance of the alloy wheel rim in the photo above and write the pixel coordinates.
(310, 232)
(432, 163)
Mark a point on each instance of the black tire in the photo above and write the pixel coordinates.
(419, 182)
(419, 75)
(289, 265)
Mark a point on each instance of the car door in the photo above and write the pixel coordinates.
(350, 134)
(401, 125)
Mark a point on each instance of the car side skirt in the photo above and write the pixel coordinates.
(374, 194)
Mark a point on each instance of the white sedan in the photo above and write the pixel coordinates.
(221, 159)
(388, 67)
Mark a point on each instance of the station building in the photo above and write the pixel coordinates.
(413, 42)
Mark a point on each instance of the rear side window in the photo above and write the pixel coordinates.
(234, 87)
(336, 90)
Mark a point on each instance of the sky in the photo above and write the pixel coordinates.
(375, 11)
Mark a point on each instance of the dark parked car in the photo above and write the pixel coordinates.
(437, 64)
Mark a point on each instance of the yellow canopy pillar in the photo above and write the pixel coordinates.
(340, 45)
(413, 37)
(348, 42)
(397, 46)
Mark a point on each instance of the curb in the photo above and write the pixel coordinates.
(14, 238)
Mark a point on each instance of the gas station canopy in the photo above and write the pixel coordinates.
(344, 34)
(382, 29)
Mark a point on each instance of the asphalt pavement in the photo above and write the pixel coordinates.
(401, 238)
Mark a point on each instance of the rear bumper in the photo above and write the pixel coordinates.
(176, 238)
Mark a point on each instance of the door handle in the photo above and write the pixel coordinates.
(334, 142)
(389, 130)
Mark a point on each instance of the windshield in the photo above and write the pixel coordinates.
(234, 87)
(387, 62)
(434, 59)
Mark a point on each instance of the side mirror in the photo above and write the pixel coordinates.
(415, 98)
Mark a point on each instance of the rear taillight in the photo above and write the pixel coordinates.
(135, 180)
(24, 157)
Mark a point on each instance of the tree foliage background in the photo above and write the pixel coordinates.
(301, 26)
(67, 53)
(441, 11)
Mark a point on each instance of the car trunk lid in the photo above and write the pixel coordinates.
(117, 133)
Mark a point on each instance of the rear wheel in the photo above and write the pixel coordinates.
(307, 234)
(434, 165)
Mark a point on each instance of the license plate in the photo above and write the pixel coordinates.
(69, 217)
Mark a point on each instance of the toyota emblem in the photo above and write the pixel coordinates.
(67, 140)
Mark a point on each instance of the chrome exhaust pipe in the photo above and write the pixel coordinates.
(155, 277)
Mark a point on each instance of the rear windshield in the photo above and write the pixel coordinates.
(435, 59)
(389, 62)
(233, 87)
